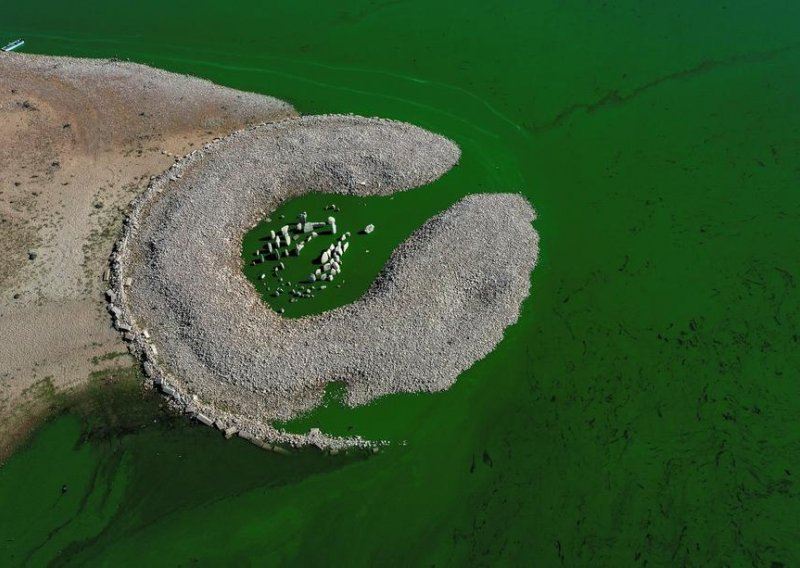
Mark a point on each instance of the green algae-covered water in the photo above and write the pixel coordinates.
(645, 410)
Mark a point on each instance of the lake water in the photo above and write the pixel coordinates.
(645, 410)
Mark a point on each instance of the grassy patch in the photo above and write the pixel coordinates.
(97, 359)
(114, 403)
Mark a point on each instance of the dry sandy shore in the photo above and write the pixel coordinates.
(81, 138)
(442, 302)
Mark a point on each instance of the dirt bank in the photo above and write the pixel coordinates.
(81, 138)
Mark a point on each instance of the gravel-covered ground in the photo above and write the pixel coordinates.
(441, 303)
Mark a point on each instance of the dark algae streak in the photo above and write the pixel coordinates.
(645, 409)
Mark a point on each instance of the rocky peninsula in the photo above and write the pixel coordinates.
(207, 340)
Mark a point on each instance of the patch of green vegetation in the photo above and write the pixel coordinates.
(114, 403)
(43, 390)
(97, 359)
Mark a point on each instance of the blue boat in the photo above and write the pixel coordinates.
(14, 45)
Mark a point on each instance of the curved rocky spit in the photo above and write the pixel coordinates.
(205, 337)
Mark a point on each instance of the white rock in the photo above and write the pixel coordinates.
(331, 220)
(369, 228)
(325, 257)
(312, 277)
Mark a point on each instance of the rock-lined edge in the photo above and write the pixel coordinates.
(139, 346)
(159, 376)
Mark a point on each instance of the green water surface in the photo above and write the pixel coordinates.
(644, 411)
